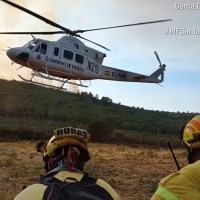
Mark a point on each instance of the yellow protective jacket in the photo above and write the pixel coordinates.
(36, 191)
(183, 185)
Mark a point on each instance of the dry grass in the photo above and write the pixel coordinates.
(132, 172)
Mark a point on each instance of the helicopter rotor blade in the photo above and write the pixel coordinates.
(38, 16)
(65, 30)
(93, 42)
(157, 58)
(35, 33)
(142, 23)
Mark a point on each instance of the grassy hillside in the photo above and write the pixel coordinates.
(35, 108)
(133, 172)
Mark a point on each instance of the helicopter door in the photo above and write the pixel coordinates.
(41, 51)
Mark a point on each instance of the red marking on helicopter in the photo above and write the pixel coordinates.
(39, 57)
(139, 78)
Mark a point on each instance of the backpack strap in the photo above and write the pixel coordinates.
(85, 189)
(53, 172)
(51, 179)
(88, 179)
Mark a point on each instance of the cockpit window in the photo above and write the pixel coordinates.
(37, 48)
(31, 44)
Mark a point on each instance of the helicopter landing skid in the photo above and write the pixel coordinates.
(38, 83)
(36, 73)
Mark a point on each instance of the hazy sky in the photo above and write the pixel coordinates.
(131, 47)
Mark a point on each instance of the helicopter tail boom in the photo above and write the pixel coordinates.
(109, 73)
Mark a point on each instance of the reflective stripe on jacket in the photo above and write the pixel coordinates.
(184, 184)
(165, 194)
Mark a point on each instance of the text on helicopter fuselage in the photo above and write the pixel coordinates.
(52, 60)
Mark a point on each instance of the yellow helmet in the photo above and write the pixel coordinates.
(191, 133)
(67, 136)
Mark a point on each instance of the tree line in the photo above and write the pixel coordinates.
(28, 103)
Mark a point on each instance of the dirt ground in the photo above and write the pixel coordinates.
(132, 171)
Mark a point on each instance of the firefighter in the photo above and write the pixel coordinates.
(184, 184)
(65, 156)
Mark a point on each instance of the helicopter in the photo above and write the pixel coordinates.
(69, 59)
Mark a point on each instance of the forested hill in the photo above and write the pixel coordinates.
(22, 102)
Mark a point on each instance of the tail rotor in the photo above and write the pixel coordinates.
(161, 65)
(156, 54)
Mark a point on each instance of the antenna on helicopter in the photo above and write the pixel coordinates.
(32, 36)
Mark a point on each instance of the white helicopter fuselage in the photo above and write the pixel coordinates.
(69, 58)
(64, 58)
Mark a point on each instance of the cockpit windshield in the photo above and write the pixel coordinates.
(31, 43)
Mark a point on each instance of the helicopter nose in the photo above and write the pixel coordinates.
(18, 54)
(11, 53)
